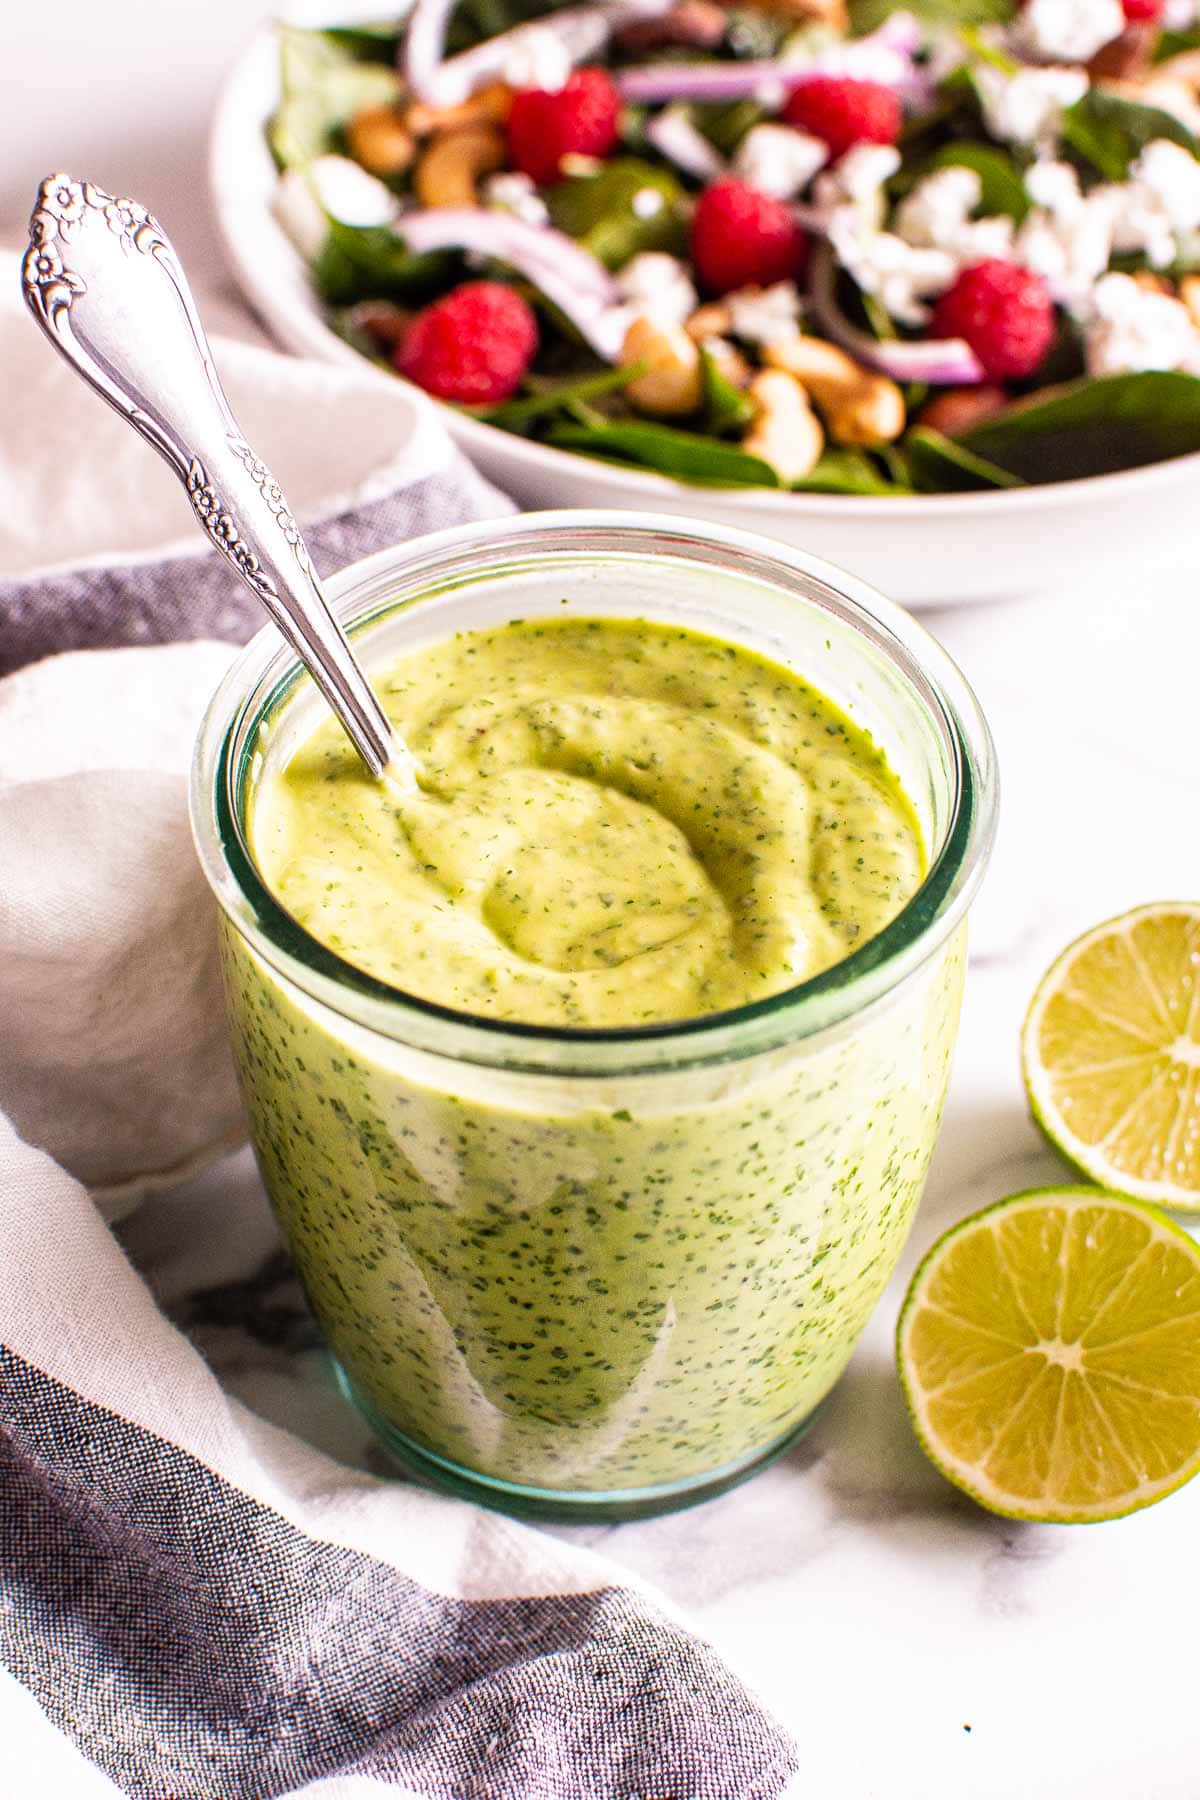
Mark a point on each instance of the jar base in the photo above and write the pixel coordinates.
(580, 1506)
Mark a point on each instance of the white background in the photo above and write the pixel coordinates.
(118, 92)
(879, 1614)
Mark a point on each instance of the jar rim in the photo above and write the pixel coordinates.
(268, 670)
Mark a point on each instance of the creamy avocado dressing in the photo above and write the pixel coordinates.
(567, 1283)
(621, 824)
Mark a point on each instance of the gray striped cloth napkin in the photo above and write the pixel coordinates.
(194, 1604)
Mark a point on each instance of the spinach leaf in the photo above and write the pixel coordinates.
(631, 130)
(514, 415)
(869, 15)
(1064, 361)
(942, 465)
(625, 207)
(475, 20)
(372, 262)
(681, 453)
(876, 316)
(895, 459)
(324, 84)
(1109, 132)
(848, 472)
(1176, 43)
(1001, 180)
(346, 324)
(725, 122)
(726, 408)
(370, 43)
(1094, 427)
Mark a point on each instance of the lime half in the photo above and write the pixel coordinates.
(1111, 1054)
(1049, 1351)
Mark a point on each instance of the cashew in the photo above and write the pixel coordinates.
(1153, 283)
(859, 406)
(671, 382)
(831, 13)
(1184, 68)
(1173, 82)
(488, 106)
(1189, 293)
(378, 140)
(451, 165)
(787, 433)
(708, 321)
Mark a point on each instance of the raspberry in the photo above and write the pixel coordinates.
(1004, 312)
(580, 120)
(1143, 12)
(843, 113)
(742, 238)
(473, 346)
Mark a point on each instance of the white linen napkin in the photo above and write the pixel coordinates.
(192, 1602)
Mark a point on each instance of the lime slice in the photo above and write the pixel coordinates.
(1049, 1351)
(1111, 1054)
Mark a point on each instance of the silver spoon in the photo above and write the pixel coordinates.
(103, 281)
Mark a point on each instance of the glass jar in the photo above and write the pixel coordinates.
(582, 1273)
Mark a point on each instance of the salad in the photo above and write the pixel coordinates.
(812, 244)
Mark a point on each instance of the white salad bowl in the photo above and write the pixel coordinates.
(928, 550)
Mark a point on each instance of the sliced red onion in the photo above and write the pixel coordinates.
(582, 31)
(900, 31)
(424, 43)
(886, 56)
(674, 136)
(650, 83)
(942, 362)
(570, 277)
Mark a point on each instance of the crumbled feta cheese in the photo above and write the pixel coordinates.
(936, 215)
(512, 192)
(1053, 185)
(902, 276)
(1172, 174)
(646, 203)
(1067, 30)
(938, 207)
(856, 181)
(1140, 226)
(947, 53)
(538, 59)
(1181, 15)
(658, 287)
(771, 94)
(330, 187)
(1158, 205)
(1067, 237)
(779, 161)
(1135, 328)
(765, 315)
(1027, 108)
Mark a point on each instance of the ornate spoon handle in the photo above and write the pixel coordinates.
(104, 283)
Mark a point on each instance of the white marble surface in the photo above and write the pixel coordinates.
(920, 1649)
